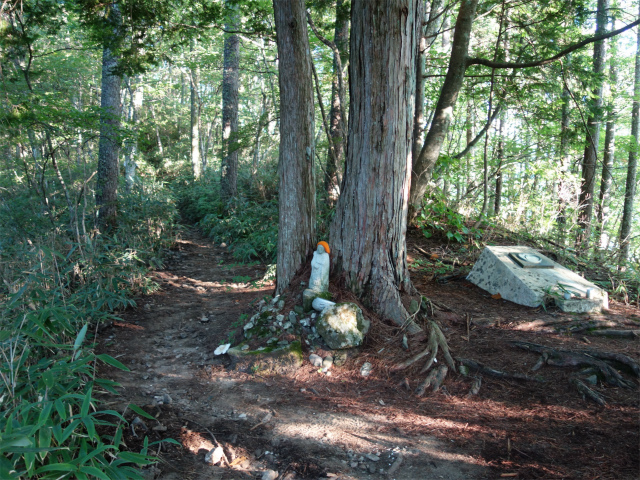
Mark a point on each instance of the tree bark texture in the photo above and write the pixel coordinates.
(632, 168)
(423, 165)
(609, 150)
(368, 233)
(589, 160)
(296, 172)
(109, 144)
(337, 130)
(426, 41)
(230, 86)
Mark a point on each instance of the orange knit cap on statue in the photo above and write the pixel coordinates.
(325, 245)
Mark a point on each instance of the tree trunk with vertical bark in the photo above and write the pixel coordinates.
(109, 144)
(296, 172)
(497, 201)
(443, 115)
(632, 169)
(196, 161)
(337, 130)
(564, 193)
(368, 233)
(609, 148)
(230, 86)
(593, 136)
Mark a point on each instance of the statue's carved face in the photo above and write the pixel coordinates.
(320, 249)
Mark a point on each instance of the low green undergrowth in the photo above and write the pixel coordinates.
(54, 293)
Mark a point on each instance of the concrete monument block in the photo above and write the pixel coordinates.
(523, 275)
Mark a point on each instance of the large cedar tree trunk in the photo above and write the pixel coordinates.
(109, 145)
(368, 233)
(337, 129)
(230, 85)
(296, 173)
(443, 115)
(632, 169)
(589, 160)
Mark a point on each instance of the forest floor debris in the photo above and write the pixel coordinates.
(322, 426)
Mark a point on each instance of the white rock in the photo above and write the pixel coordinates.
(315, 360)
(366, 369)
(280, 318)
(270, 475)
(214, 455)
(248, 326)
(320, 304)
(372, 457)
(222, 349)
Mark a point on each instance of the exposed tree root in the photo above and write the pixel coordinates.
(434, 379)
(587, 392)
(616, 333)
(565, 358)
(437, 341)
(492, 372)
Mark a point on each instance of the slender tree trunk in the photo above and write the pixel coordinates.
(157, 129)
(131, 144)
(609, 150)
(196, 161)
(564, 187)
(337, 130)
(109, 144)
(453, 81)
(230, 86)
(497, 201)
(632, 169)
(593, 135)
(368, 232)
(296, 172)
(425, 41)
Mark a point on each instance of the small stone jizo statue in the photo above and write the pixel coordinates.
(319, 279)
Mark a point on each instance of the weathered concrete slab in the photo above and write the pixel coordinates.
(534, 280)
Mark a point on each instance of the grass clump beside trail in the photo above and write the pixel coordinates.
(54, 293)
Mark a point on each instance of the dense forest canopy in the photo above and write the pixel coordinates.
(454, 118)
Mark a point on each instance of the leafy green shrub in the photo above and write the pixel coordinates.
(439, 218)
(53, 291)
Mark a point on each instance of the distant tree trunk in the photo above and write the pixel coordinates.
(443, 115)
(230, 86)
(196, 161)
(589, 160)
(368, 232)
(425, 41)
(632, 169)
(337, 130)
(296, 172)
(157, 128)
(564, 194)
(131, 144)
(109, 145)
(609, 149)
(497, 201)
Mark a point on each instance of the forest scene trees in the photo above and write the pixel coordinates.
(270, 126)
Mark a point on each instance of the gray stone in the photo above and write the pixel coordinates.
(319, 304)
(366, 368)
(270, 475)
(327, 363)
(280, 304)
(280, 318)
(315, 360)
(372, 457)
(497, 271)
(592, 380)
(342, 326)
(293, 318)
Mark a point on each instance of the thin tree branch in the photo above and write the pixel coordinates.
(566, 51)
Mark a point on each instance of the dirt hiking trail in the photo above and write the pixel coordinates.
(309, 425)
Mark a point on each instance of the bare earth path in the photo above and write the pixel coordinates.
(342, 426)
